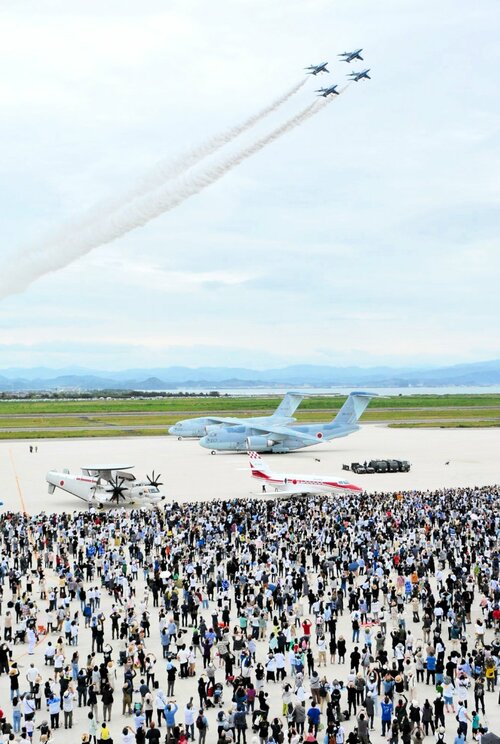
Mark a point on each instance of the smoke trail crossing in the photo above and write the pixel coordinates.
(34, 263)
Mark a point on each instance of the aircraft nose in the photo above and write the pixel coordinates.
(204, 442)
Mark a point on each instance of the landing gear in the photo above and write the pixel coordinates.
(213, 452)
(179, 439)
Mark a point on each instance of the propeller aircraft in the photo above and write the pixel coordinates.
(109, 485)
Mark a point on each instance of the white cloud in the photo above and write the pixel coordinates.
(369, 234)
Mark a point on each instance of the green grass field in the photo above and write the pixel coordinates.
(198, 406)
(124, 417)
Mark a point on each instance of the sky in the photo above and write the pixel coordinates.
(368, 235)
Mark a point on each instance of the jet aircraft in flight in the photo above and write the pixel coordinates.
(331, 91)
(315, 69)
(271, 438)
(359, 75)
(198, 427)
(349, 56)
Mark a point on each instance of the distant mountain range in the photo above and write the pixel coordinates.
(187, 378)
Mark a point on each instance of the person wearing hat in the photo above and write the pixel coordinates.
(85, 739)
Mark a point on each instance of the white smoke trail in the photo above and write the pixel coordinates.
(33, 264)
(166, 170)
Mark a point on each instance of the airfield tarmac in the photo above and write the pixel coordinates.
(190, 472)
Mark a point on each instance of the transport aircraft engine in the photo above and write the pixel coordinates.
(259, 444)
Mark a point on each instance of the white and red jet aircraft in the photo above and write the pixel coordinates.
(292, 483)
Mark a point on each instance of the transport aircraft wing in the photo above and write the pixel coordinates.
(278, 433)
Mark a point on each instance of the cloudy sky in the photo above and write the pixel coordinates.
(367, 235)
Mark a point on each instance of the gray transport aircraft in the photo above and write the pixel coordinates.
(349, 56)
(331, 91)
(198, 427)
(315, 69)
(359, 75)
(280, 439)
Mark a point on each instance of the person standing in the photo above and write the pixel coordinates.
(153, 734)
(16, 715)
(171, 675)
(386, 718)
(171, 709)
(189, 719)
(202, 726)
(54, 710)
(462, 718)
(67, 706)
(107, 703)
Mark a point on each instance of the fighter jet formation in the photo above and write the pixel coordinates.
(353, 76)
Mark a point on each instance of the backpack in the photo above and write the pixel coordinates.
(200, 723)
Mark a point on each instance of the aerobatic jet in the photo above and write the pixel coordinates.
(331, 91)
(315, 69)
(359, 75)
(349, 56)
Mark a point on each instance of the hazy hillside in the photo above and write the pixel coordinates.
(41, 378)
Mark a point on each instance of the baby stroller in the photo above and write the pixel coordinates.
(218, 689)
(215, 696)
(19, 637)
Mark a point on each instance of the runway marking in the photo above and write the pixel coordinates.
(19, 491)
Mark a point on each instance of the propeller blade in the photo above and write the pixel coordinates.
(154, 480)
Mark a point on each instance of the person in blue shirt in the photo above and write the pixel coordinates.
(169, 712)
(313, 714)
(430, 665)
(386, 707)
(459, 738)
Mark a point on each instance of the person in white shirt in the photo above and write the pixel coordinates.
(67, 706)
(31, 636)
(189, 718)
(31, 675)
(128, 735)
